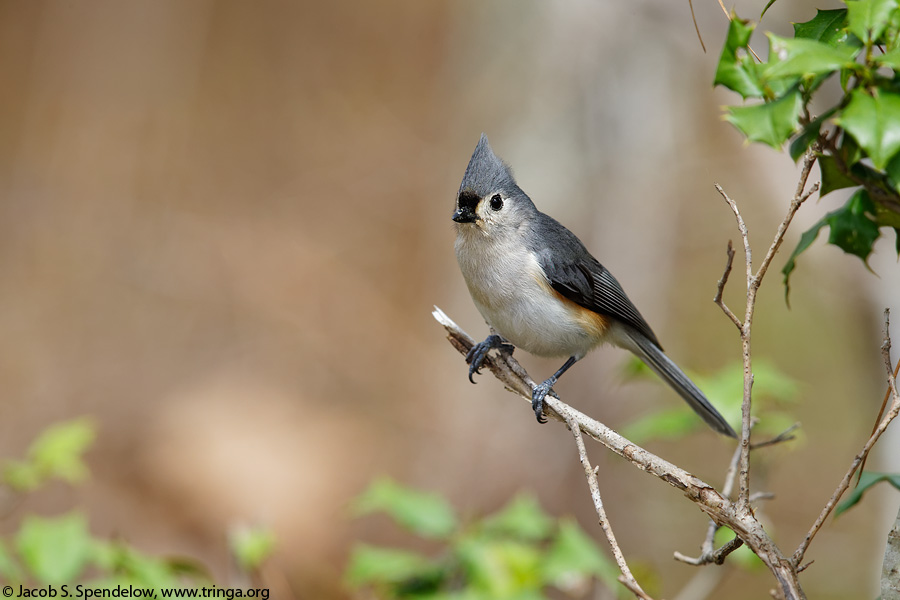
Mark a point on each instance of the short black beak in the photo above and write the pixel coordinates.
(464, 214)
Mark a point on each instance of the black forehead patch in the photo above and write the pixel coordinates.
(468, 199)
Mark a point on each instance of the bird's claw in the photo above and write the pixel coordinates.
(479, 352)
(538, 393)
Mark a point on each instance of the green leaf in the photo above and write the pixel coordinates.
(736, 69)
(371, 564)
(522, 518)
(832, 177)
(866, 481)
(251, 546)
(766, 8)
(21, 476)
(58, 451)
(771, 122)
(428, 515)
(500, 568)
(866, 19)
(828, 26)
(670, 424)
(806, 240)
(801, 57)
(890, 59)
(853, 227)
(9, 569)
(575, 557)
(874, 123)
(55, 550)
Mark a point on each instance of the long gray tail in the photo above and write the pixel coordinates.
(651, 354)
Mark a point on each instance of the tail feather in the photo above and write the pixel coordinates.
(654, 357)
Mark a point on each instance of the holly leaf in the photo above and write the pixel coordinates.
(853, 227)
(832, 177)
(801, 57)
(810, 132)
(866, 19)
(771, 122)
(874, 122)
(736, 69)
(828, 26)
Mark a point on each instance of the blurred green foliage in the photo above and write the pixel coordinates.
(856, 139)
(774, 392)
(518, 552)
(59, 550)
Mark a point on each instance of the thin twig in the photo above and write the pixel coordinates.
(627, 578)
(848, 476)
(744, 465)
(785, 436)
(696, 27)
(720, 288)
(753, 283)
(708, 549)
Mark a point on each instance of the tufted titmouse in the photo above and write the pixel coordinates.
(539, 288)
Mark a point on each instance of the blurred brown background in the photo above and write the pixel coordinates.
(223, 226)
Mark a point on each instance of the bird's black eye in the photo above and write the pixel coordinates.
(496, 202)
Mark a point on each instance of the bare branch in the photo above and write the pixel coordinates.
(785, 436)
(696, 27)
(720, 288)
(753, 283)
(627, 578)
(858, 460)
(718, 508)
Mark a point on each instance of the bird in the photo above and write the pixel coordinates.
(539, 289)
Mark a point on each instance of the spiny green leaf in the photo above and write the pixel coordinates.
(866, 19)
(736, 69)
(866, 481)
(771, 122)
(853, 228)
(828, 26)
(55, 550)
(801, 57)
(371, 564)
(832, 177)
(874, 122)
(522, 518)
(425, 514)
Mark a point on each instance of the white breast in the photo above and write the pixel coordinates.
(514, 296)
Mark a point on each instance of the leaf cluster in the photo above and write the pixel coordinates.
(58, 550)
(519, 552)
(857, 139)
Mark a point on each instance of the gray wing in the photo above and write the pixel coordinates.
(580, 277)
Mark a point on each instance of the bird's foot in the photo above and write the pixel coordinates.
(479, 352)
(538, 394)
